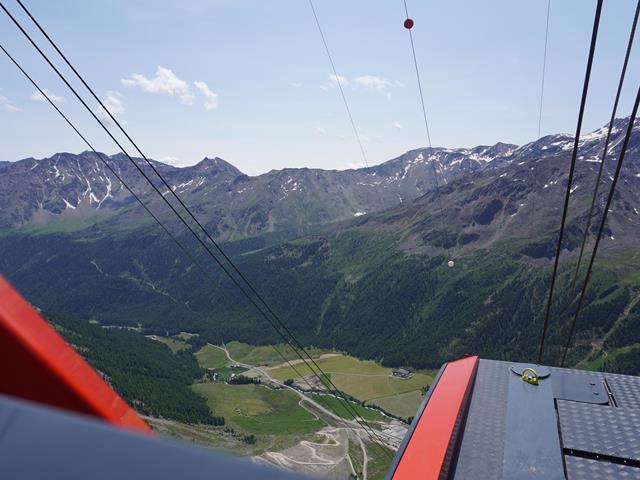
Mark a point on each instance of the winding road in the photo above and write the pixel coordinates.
(281, 459)
(324, 410)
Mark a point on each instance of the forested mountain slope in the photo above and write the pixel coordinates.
(376, 285)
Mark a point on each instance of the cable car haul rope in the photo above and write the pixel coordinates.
(225, 263)
(408, 25)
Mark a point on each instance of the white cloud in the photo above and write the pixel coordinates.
(165, 82)
(38, 97)
(334, 80)
(354, 166)
(171, 160)
(7, 106)
(210, 98)
(295, 84)
(377, 84)
(320, 130)
(114, 105)
(397, 125)
(371, 83)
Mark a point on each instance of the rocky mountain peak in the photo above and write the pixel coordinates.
(214, 166)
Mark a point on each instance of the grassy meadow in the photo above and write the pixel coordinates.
(259, 410)
(368, 381)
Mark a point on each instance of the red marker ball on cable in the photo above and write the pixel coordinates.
(408, 24)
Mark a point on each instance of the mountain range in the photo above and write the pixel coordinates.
(234, 205)
(353, 259)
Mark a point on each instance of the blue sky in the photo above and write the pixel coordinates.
(263, 97)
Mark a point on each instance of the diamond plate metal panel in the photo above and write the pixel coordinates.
(600, 429)
(587, 469)
(482, 445)
(626, 390)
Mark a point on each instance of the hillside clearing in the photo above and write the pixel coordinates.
(404, 405)
(211, 357)
(259, 410)
(266, 354)
(367, 381)
(174, 344)
(337, 407)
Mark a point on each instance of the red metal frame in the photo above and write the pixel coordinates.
(39, 365)
(425, 453)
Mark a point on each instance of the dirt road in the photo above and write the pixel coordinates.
(332, 454)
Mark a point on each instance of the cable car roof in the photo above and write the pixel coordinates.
(494, 419)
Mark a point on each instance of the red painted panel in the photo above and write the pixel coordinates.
(38, 365)
(425, 453)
